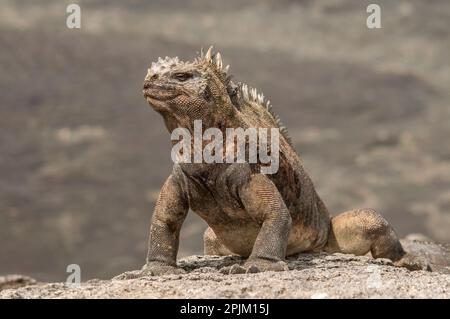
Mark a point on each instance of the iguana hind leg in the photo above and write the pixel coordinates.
(361, 231)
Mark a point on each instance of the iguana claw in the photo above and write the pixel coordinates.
(254, 266)
(152, 269)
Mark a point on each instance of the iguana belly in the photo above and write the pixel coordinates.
(240, 236)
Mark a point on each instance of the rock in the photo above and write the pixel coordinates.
(437, 256)
(310, 276)
(15, 281)
(317, 275)
(417, 237)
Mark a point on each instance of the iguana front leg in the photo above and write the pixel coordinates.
(170, 211)
(264, 203)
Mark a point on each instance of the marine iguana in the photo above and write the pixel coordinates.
(263, 217)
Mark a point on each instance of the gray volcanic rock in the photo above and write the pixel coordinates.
(310, 276)
(15, 281)
(437, 256)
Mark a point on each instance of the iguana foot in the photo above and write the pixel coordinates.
(155, 268)
(255, 266)
(152, 269)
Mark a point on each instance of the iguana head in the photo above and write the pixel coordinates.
(183, 92)
(186, 91)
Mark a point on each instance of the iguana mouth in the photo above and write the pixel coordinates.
(159, 92)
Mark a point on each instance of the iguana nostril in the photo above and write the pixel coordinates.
(151, 76)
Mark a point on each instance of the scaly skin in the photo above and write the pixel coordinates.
(262, 217)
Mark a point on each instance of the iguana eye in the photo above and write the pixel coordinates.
(182, 76)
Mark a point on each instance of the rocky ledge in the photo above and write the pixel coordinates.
(310, 276)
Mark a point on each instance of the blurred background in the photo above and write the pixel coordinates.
(82, 156)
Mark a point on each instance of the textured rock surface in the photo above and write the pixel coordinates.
(15, 281)
(310, 276)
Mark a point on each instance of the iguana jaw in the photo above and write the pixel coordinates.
(158, 96)
(162, 92)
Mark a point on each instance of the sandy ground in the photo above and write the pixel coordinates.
(82, 157)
